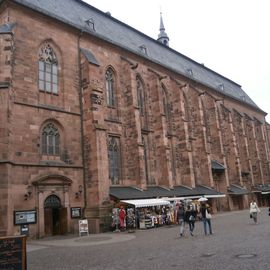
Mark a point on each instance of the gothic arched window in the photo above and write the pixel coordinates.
(50, 140)
(140, 95)
(114, 160)
(110, 87)
(48, 70)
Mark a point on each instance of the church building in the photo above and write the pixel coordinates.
(93, 111)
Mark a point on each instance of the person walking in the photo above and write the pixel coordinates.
(253, 211)
(191, 218)
(181, 218)
(206, 218)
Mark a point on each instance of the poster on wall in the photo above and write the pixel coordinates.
(83, 227)
(13, 253)
(25, 217)
(76, 212)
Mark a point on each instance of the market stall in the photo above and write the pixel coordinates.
(150, 213)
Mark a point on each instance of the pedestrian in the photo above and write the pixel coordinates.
(206, 217)
(181, 218)
(122, 218)
(191, 218)
(253, 211)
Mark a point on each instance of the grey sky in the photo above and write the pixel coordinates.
(230, 37)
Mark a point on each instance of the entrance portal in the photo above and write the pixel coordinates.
(55, 216)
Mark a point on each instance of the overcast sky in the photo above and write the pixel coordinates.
(231, 37)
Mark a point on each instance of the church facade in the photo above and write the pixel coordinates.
(93, 112)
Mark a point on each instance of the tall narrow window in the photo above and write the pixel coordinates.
(50, 140)
(114, 160)
(48, 74)
(166, 105)
(186, 108)
(145, 151)
(140, 95)
(110, 89)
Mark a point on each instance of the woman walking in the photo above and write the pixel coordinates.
(206, 218)
(254, 210)
(191, 218)
(181, 218)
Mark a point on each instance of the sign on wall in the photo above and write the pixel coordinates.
(76, 212)
(25, 217)
(13, 253)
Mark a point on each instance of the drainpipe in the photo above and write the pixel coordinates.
(81, 112)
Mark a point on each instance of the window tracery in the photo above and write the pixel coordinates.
(50, 140)
(48, 70)
(110, 87)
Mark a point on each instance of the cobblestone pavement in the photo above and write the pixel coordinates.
(236, 243)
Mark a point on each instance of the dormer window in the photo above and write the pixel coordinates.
(91, 24)
(190, 72)
(143, 49)
(221, 86)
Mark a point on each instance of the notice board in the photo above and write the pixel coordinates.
(13, 253)
(83, 227)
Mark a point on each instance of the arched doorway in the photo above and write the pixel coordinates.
(55, 217)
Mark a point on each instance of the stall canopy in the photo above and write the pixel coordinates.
(237, 190)
(146, 202)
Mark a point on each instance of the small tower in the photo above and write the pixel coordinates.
(162, 36)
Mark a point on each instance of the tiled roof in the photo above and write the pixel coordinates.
(203, 190)
(180, 191)
(217, 166)
(127, 192)
(89, 19)
(90, 57)
(237, 190)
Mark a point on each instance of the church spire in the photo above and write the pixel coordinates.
(162, 36)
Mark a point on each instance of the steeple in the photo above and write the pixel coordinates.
(162, 36)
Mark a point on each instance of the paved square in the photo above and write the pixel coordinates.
(237, 243)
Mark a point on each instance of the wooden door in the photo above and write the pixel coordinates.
(63, 220)
(48, 220)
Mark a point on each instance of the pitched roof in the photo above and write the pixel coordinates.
(215, 165)
(237, 190)
(78, 14)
